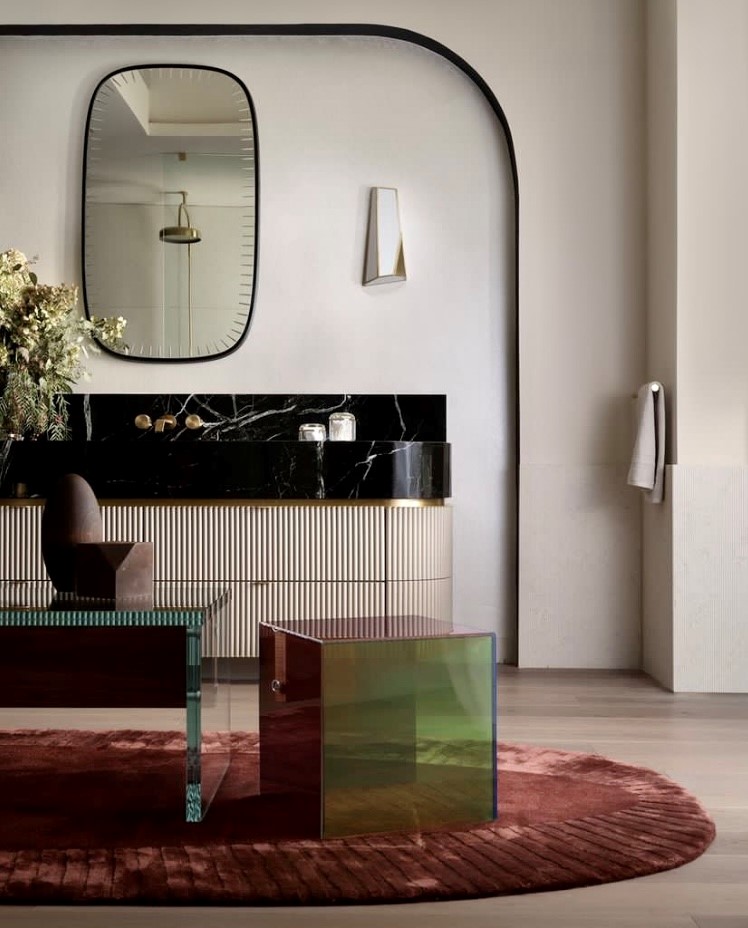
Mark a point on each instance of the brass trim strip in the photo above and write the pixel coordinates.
(257, 503)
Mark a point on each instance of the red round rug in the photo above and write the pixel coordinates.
(94, 817)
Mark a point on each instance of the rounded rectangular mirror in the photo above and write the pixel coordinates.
(170, 210)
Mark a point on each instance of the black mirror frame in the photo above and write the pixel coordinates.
(192, 359)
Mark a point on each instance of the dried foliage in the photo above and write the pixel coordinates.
(43, 341)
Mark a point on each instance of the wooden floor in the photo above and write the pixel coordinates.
(700, 741)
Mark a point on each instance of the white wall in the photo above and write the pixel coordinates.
(695, 566)
(712, 232)
(575, 103)
(709, 648)
(570, 78)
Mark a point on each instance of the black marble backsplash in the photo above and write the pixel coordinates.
(257, 417)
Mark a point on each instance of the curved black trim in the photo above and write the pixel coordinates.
(253, 115)
(347, 29)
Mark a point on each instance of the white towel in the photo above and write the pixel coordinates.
(648, 460)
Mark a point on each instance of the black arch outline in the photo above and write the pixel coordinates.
(334, 29)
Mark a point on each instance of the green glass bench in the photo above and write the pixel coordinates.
(60, 650)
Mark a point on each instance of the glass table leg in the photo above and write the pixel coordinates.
(193, 778)
(208, 711)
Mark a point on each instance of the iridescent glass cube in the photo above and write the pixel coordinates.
(381, 724)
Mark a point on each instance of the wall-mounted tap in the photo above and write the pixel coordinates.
(165, 423)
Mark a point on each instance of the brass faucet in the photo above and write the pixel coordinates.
(165, 423)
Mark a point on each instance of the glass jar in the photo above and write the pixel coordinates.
(342, 426)
(312, 431)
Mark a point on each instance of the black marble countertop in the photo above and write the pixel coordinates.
(281, 470)
(244, 447)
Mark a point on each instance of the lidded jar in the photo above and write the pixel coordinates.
(312, 431)
(342, 426)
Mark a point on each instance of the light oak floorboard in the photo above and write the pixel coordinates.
(720, 921)
(699, 740)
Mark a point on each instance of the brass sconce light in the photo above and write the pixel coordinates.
(385, 261)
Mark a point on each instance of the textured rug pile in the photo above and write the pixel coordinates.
(95, 817)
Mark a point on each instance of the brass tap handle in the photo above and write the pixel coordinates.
(193, 421)
(143, 421)
(165, 423)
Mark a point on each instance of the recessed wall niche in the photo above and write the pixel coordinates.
(337, 115)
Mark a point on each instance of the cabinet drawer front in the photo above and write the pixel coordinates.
(276, 543)
(295, 543)
(261, 601)
(428, 599)
(419, 543)
(21, 543)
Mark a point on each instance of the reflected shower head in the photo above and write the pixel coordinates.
(182, 233)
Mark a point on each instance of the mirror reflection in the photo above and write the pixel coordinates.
(170, 214)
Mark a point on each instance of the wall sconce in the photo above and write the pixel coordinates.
(385, 262)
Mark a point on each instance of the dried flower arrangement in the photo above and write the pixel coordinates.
(42, 339)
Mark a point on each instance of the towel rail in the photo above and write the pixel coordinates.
(654, 387)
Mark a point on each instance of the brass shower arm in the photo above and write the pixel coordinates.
(183, 233)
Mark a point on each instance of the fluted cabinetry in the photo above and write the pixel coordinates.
(21, 548)
(302, 560)
(418, 565)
